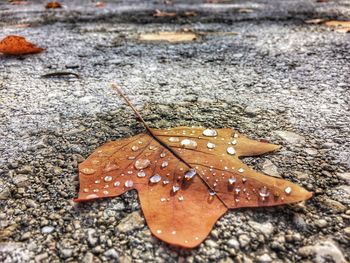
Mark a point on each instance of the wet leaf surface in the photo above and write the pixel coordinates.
(186, 178)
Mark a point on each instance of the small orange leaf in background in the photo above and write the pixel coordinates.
(172, 37)
(52, 5)
(100, 4)
(339, 26)
(19, 2)
(17, 45)
(186, 178)
(159, 13)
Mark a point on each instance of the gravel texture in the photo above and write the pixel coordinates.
(277, 79)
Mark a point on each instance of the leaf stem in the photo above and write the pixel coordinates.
(149, 130)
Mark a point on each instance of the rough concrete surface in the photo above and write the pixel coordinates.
(277, 79)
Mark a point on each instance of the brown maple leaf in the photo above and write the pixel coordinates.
(53, 5)
(17, 45)
(186, 178)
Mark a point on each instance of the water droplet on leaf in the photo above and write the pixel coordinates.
(129, 183)
(110, 167)
(288, 190)
(264, 191)
(164, 164)
(231, 150)
(142, 164)
(210, 132)
(155, 179)
(174, 139)
(210, 145)
(189, 144)
(190, 174)
(135, 148)
(176, 188)
(141, 173)
(108, 178)
(232, 180)
(88, 170)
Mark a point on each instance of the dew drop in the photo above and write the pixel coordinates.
(166, 182)
(97, 181)
(264, 192)
(231, 150)
(174, 232)
(181, 198)
(189, 144)
(174, 139)
(234, 142)
(129, 183)
(105, 192)
(95, 161)
(85, 190)
(116, 183)
(129, 172)
(244, 180)
(232, 180)
(210, 132)
(155, 179)
(235, 135)
(159, 231)
(141, 173)
(95, 190)
(190, 174)
(108, 178)
(152, 147)
(164, 164)
(131, 158)
(142, 164)
(162, 155)
(88, 170)
(135, 148)
(210, 145)
(163, 199)
(288, 190)
(176, 188)
(110, 167)
(92, 196)
(237, 190)
(241, 170)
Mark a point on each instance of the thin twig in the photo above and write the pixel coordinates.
(149, 130)
(60, 73)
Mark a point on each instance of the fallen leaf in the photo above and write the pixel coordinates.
(339, 26)
(17, 45)
(186, 178)
(159, 13)
(169, 36)
(52, 5)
